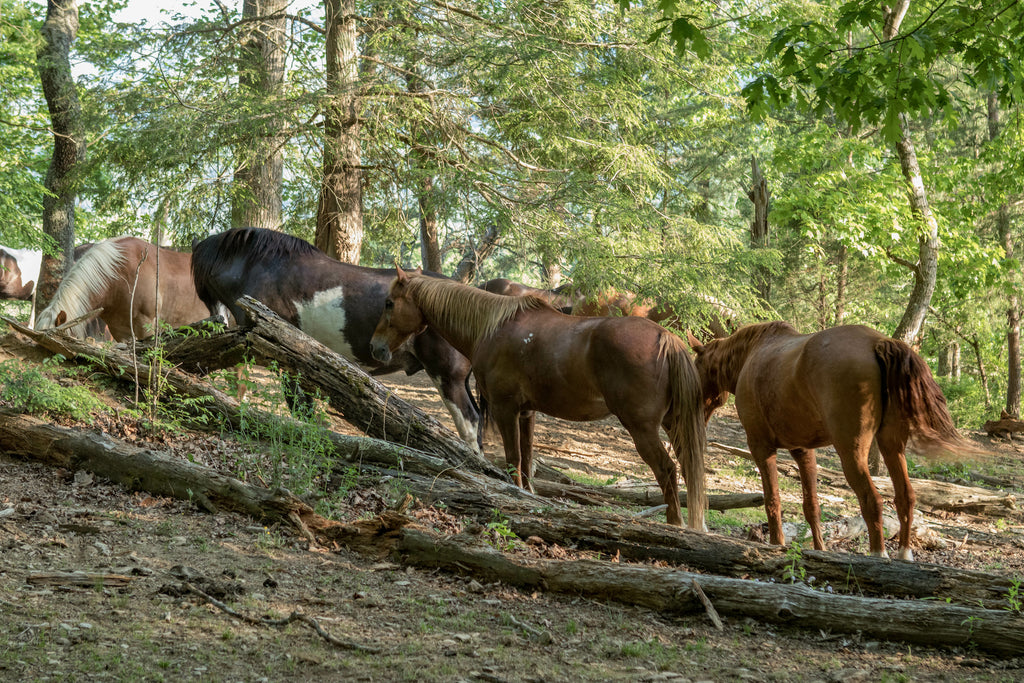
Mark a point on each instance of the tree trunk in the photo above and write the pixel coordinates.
(1005, 231)
(926, 268)
(430, 249)
(842, 277)
(256, 197)
(475, 254)
(339, 218)
(53, 60)
(759, 237)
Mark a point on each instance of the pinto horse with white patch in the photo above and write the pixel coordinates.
(336, 303)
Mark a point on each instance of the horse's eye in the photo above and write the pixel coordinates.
(388, 304)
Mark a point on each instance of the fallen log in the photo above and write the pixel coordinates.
(350, 391)
(671, 590)
(141, 469)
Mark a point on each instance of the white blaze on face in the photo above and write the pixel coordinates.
(323, 319)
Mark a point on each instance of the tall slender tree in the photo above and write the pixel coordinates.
(256, 198)
(53, 59)
(339, 217)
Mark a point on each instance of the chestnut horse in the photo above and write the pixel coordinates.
(527, 356)
(119, 275)
(844, 386)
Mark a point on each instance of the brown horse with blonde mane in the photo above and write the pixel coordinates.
(844, 386)
(136, 283)
(527, 357)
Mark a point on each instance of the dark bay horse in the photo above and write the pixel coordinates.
(336, 303)
(119, 275)
(527, 357)
(844, 386)
(19, 270)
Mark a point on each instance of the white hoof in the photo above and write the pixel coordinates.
(905, 554)
(882, 553)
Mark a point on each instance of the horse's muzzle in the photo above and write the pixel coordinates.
(380, 351)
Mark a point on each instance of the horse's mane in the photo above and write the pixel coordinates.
(472, 311)
(253, 244)
(89, 276)
(725, 356)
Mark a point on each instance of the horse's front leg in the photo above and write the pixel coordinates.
(526, 426)
(764, 458)
(459, 402)
(507, 420)
(807, 463)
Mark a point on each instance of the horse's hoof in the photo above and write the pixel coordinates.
(905, 554)
(881, 554)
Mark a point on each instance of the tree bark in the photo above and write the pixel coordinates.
(53, 61)
(927, 266)
(339, 218)
(475, 254)
(671, 590)
(256, 198)
(1006, 238)
(759, 236)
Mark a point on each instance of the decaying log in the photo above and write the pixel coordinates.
(671, 590)
(931, 494)
(644, 541)
(361, 399)
(141, 469)
(1003, 427)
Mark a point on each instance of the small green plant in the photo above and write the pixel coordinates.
(1014, 597)
(795, 572)
(500, 534)
(30, 390)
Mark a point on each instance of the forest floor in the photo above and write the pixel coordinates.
(410, 624)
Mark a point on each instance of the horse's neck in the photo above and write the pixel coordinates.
(463, 337)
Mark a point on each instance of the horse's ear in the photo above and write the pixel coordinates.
(695, 344)
(403, 276)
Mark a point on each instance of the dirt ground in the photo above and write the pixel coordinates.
(400, 623)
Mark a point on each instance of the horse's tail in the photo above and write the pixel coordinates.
(909, 388)
(91, 275)
(686, 426)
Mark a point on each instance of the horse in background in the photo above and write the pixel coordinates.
(19, 270)
(558, 297)
(529, 357)
(336, 303)
(844, 386)
(120, 275)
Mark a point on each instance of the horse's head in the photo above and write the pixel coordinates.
(707, 362)
(400, 320)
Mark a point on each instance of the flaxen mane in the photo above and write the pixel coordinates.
(89, 276)
(473, 310)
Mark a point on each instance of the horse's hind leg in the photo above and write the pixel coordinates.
(903, 492)
(855, 466)
(807, 462)
(648, 444)
(526, 425)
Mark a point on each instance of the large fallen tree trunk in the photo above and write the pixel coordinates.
(672, 590)
(362, 400)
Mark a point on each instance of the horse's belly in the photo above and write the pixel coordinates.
(323, 319)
